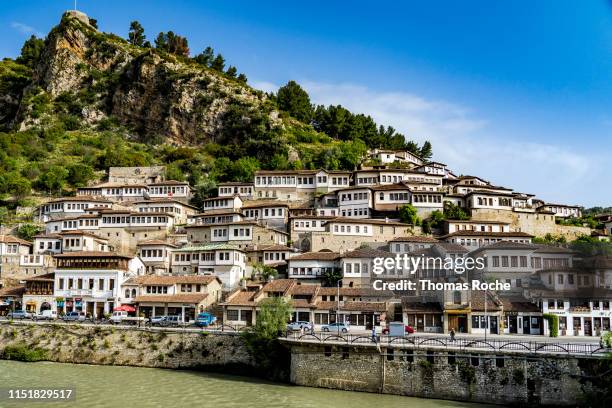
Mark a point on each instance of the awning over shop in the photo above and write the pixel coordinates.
(124, 308)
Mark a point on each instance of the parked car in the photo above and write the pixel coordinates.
(172, 321)
(407, 330)
(20, 314)
(157, 320)
(74, 317)
(46, 315)
(299, 325)
(120, 316)
(336, 327)
(205, 319)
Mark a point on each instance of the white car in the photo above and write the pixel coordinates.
(46, 315)
(299, 325)
(336, 327)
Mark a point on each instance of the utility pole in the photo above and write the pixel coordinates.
(338, 306)
(486, 317)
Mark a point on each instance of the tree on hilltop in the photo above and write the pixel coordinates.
(293, 99)
(136, 34)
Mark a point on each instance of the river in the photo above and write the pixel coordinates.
(132, 387)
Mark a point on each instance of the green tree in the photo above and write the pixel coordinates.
(264, 272)
(79, 174)
(27, 231)
(218, 63)
(426, 150)
(244, 169)
(454, 212)
(331, 277)
(295, 100)
(205, 57)
(14, 184)
(409, 215)
(136, 34)
(242, 78)
(4, 215)
(232, 71)
(272, 318)
(174, 172)
(31, 51)
(161, 42)
(172, 43)
(54, 179)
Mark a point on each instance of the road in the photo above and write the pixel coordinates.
(354, 332)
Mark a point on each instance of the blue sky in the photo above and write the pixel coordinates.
(519, 95)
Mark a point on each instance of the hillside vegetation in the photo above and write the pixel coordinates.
(79, 101)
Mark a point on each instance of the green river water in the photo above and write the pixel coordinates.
(131, 387)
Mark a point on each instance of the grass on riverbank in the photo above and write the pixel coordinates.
(21, 352)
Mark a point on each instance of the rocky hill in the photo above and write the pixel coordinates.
(81, 100)
(150, 91)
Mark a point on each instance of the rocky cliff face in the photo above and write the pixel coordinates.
(151, 92)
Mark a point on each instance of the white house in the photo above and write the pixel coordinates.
(90, 281)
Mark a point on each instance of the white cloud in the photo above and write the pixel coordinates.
(470, 144)
(264, 86)
(26, 29)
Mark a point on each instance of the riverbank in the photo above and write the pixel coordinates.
(112, 386)
(425, 371)
(121, 346)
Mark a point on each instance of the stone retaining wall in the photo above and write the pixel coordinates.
(73, 343)
(477, 377)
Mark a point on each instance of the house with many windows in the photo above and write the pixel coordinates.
(90, 281)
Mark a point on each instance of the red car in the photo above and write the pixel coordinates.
(407, 329)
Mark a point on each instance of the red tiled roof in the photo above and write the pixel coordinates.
(182, 298)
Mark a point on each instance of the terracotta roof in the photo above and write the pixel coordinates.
(45, 277)
(387, 187)
(468, 233)
(163, 200)
(268, 248)
(10, 239)
(301, 303)
(518, 305)
(420, 307)
(353, 306)
(241, 298)
(279, 285)
(168, 183)
(156, 242)
(507, 245)
(371, 221)
(171, 279)
(416, 238)
(92, 254)
(182, 298)
(221, 246)
(84, 198)
(234, 183)
(316, 256)
(344, 291)
(367, 252)
(82, 233)
(15, 291)
(450, 247)
(304, 289)
(258, 204)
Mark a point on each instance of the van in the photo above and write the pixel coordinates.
(46, 315)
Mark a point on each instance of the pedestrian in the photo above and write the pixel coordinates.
(312, 328)
(374, 334)
(452, 334)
